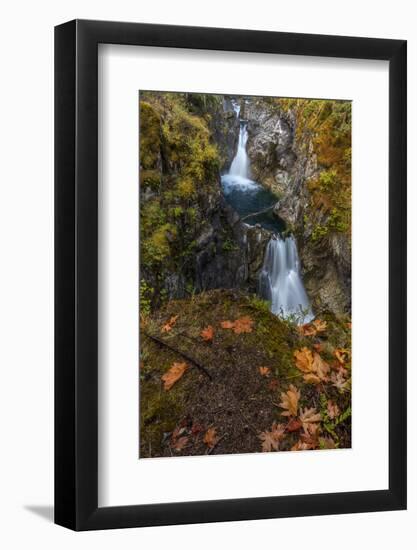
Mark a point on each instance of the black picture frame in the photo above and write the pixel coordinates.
(76, 272)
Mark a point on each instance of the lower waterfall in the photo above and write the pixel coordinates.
(280, 281)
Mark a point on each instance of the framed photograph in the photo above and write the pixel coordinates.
(230, 275)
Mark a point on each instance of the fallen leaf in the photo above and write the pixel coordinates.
(311, 329)
(312, 378)
(168, 326)
(312, 365)
(289, 401)
(268, 442)
(270, 439)
(307, 417)
(177, 432)
(210, 438)
(304, 360)
(301, 446)
(180, 443)
(318, 347)
(173, 374)
(293, 425)
(243, 324)
(207, 334)
(332, 409)
(265, 371)
(319, 325)
(307, 330)
(338, 381)
(342, 355)
(326, 442)
(320, 367)
(196, 429)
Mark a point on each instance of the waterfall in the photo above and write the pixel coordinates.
(236, 108)
(240, 164)
(280, 281)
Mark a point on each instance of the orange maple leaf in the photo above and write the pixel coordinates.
(243, 324)
(319, 325)
(271, 439)
(265, 371)
(173, 374)
(332, 409)
(293, 425)
(342, 355)
(307, 330)
(308, 417)
(312, 365)
(311, 329)
(207, 333)
(301, 446)
(320, 367)
(304, 360)
(180, 443)
(210, 438)
(289, 401)
(168, 326)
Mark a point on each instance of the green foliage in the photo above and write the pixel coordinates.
(260, 304)
(180, 163)
(326, 126)
(156, 247)
(145, 297)
(150, 178)
(150, 136)
(319, 232)
(229, 245)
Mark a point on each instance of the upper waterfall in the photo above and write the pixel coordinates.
(240, 164)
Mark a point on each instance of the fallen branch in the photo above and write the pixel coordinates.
(257, 213)
(176, 350)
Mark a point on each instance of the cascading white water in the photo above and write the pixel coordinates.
(280, 281)
(236, 108)
(240, 164)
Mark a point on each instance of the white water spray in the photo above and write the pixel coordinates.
(280, 281)
(240, 164)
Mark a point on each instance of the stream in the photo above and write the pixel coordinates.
(280, 281)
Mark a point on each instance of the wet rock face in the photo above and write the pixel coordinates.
(225, 129)
(269, 145)
(233, 257)
(327, 274)
(278, 162)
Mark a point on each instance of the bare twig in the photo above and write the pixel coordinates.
(257, 213)
(176, 350)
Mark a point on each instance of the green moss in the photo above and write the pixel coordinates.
(156, 247)
(150, 136)
(180, 162)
